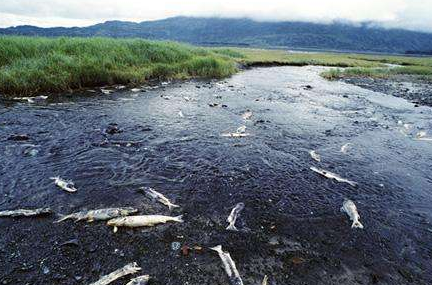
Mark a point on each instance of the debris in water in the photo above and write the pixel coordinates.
(350, 208)
(332, 175)
(315, 155)
(135, 90)
(32, 99)
(187, 99)
(128, 269)
(232, 218)
(142, 221)
(141, 280)
(25, 213)
(120, 87)
(345, 148)
(99, 215)
(180, 113)
(240, 133)
(153, 194)
(18, 138)
(229, 265)
(67, 186)
(247, 115)
(241, 130)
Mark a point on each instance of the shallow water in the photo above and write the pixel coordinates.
(291, 227)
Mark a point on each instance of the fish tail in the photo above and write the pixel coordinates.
(217, 248)
(172, 206)
(357, 224)
(179, 219)
(231, 227)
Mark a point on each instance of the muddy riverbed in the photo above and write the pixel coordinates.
(291, 228)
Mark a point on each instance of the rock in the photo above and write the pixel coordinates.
(113, 129)
(18, 137)
(175, 246)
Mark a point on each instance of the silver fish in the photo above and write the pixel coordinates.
(99, 215)
(128, 269)
(350, 208)
(332, 175)
(229, 265)
(232, 218)
(345, 147)
(153, 194)
(142, 221)
(25, 213)
(315, 155)
(67, 186)
(141, 280)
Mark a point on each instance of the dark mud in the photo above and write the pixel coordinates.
(408, 87)
(291, 227)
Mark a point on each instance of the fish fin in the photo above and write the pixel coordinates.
(115, 229)
(232, 227)
(179, 219)
(217, 248)
(357, 224)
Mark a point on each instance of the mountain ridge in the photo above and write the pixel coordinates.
(247, 32)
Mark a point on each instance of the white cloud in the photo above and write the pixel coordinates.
(411, 14)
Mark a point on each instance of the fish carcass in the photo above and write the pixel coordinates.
(128, 269)
(332, 175)
(153, 194)
(67, 186)
(25, 213)
(350, 208)
(229, 265)
(99, 215)
(232, 218)
(142, 221)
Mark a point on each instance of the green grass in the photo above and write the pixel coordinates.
(34, 65)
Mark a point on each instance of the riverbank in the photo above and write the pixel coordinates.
(32, 66)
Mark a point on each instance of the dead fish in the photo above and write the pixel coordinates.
(67, 186)
(106, 91)
(235, 135)
(315, 155)
(247, 115)
(150, 192)
(142, 221)
(25, 213)
(350, 208)
(232, 218)
(345, 147)
(120, 87)
(135, 90)
(332, 175)
(421, 136)
(141, 280)
(128, 269)
(99, 215)
(229, 265)
(265, 280)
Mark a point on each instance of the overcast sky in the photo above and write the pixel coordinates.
(410, 14)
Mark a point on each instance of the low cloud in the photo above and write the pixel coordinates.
(408, 14)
